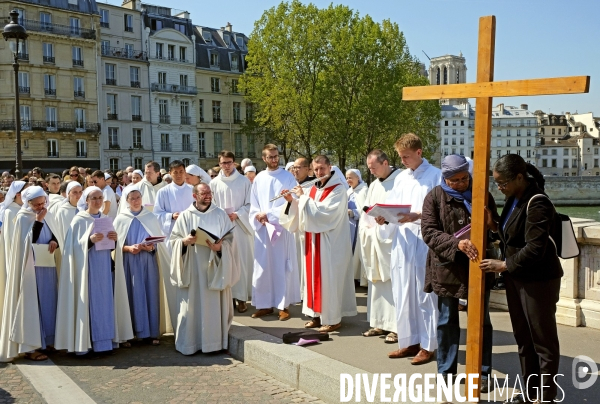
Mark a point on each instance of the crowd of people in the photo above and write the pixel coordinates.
(96, 259)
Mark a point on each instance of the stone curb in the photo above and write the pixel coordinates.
(302, 369)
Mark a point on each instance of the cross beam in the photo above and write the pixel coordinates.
(483, 90)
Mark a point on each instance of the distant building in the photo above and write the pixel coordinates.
(57, 85)
(448, 69)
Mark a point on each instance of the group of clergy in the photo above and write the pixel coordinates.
(286, 238)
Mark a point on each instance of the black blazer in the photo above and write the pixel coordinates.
(530, 254)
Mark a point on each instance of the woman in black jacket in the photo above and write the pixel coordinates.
(532, 273)
(446, 210)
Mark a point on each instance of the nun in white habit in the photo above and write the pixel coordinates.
(357, 194)
(29, 317)
(92, 313)
(145, 267)
(63, 213)
(195, 175)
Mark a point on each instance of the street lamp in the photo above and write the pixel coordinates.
(131, 156)
(15, 33)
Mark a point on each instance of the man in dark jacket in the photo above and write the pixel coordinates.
(447, 210)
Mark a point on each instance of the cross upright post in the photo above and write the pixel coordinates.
(483, 91)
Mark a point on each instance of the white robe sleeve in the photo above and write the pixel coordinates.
(160, 210)
(243, 213)
(224, 271)
(320, 217)
(180, 268)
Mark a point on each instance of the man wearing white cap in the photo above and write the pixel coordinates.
(250, 173)
(109, 207)
(231, 192)
(195, 175)
(173, 199)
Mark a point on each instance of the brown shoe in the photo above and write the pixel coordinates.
(405, 352)
(329, 328)
(314, 323)
(262, 312)
(422, 357)
(242, 307)
(284, 315)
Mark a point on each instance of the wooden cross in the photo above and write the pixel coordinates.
(483, 90)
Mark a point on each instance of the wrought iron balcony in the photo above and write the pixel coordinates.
(135, 84)
(216, 119)
(23, 56)
(57, 29)
(170, 59)
(123, 53)
(52, 153)
(173, 88)
(251, 154)
(138, 146)
(78, 62)
(112, 117)
(81, 154)
(136, 117)
(49, 59)
(237, 120)
(24, 90)
(129, 29)
(202, 155)
(186, 147)
(50, 91)
(79, 94)
(111, 82)
(165, 147)
(114, 146)
(51, 126)
(164, 119)
(186, 120)
(104, 24)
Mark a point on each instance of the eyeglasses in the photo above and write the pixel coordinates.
(213, 175)
(204, 193)
(502, 185)
(459, 180)
(74, 174)
(95, 181)
(226, 163)
(272, 157)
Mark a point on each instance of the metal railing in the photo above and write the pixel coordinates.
(113, 117)
(114, 146)
(173, 88)
(57, 29)
(111, 82)
(186, 147)
(104, 24)
(170, 59)
(216, 119)
(24, 90)
(165, 147)
(81, 154)
(136, 117)
(129, 29)
(23, 56)
(52, 154)
(164, 119)
(79, 94)
(52, 126)
(138, 146)
(78, 62)
(252, 154)
(50, 91)
(123, 53)
(186, 120)
(202, 154)
(49, 59)
(135, 84)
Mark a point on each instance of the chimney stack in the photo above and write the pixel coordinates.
(524, 106)
(229, 27)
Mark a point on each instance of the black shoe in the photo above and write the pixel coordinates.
(518, 399)
(485, 387)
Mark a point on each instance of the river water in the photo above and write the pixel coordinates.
(583, 212)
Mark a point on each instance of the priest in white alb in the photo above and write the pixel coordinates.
(231, 192)
(173, 199)
(375, 252)
(151, 184)
(416, 311)
(321, 212)
(203, 275)
(275, 278)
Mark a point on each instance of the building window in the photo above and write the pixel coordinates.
(235, 63)
(77, 56)
(216, 106)
(105, 47)
(183, 80)
(165, 142)
(165, 161)
(215, 85)
(156, 25)
(462, 151)
(554, 163)
(52, 147)
(528, 153)
(445, 123)
(48, 50)
(200, 110)
(186, 143)
(518, 142)
(163, 111)
(445, 141)
(446, 77)
(46, 21)
(129, 50)
(508, 132)
(24, 83)
(528, 142)
(237, 112)
(238, 144)
(573, 152)
(201, 145)
(574, 163)
(78, 90)
(159, 50)
(227, 39)
(136, 108)
(81, 148)
(437, 76)
(137, 138)
(454, 131)
(128, 20)
(498, 153)
(207, 36)
(498, 143)
(528, 132)
(186, 162)
(134, 76)
(182, 54)
(544, 163)
(104, 16)
(518, 132)
(111, 106)
(181, 28)
(453, 141)
(25, 117)
(218, 142)
(113, 164)
(49, 84)
(75, 25)
(51, 121)
(595, 163)
(462, 141)
(138, 163)
(453, 123)
(234, 86)
(79, 120)
(109, 72)
(184, 107)
(171, 52)
(565, 163)
(251, 144)
(545, 152)
(214, 59)
(113, 138)
(162, 77)
(554, 152)
(445, 132)
(498, 133)
(553, 131)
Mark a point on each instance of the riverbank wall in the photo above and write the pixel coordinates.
(564, 191)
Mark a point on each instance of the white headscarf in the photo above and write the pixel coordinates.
(341, 175)
(126, 193)
(107, 176)
(30, 194)
(289, 165)
(193, 169)
(82, 204)
(357, 172)
(72, 184)
(15, 188)
(249, 168)
(139, 172)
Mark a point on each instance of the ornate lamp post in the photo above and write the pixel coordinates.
(15, 33)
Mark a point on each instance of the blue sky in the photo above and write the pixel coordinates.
(534, 38)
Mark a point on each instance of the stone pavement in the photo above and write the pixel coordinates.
(14, 388)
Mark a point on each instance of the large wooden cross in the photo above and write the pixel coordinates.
(483, 90)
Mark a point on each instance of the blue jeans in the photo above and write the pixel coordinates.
(448, 336)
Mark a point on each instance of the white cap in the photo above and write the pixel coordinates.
(249, 169)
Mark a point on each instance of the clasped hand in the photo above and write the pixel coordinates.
(112, 235)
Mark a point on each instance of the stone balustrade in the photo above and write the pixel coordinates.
(579, 304)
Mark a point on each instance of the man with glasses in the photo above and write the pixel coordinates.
(109, 206)
(173, 199)
(275, 277)
(231, 192)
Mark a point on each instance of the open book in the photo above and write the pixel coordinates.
(202, 235)
(391, 213)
